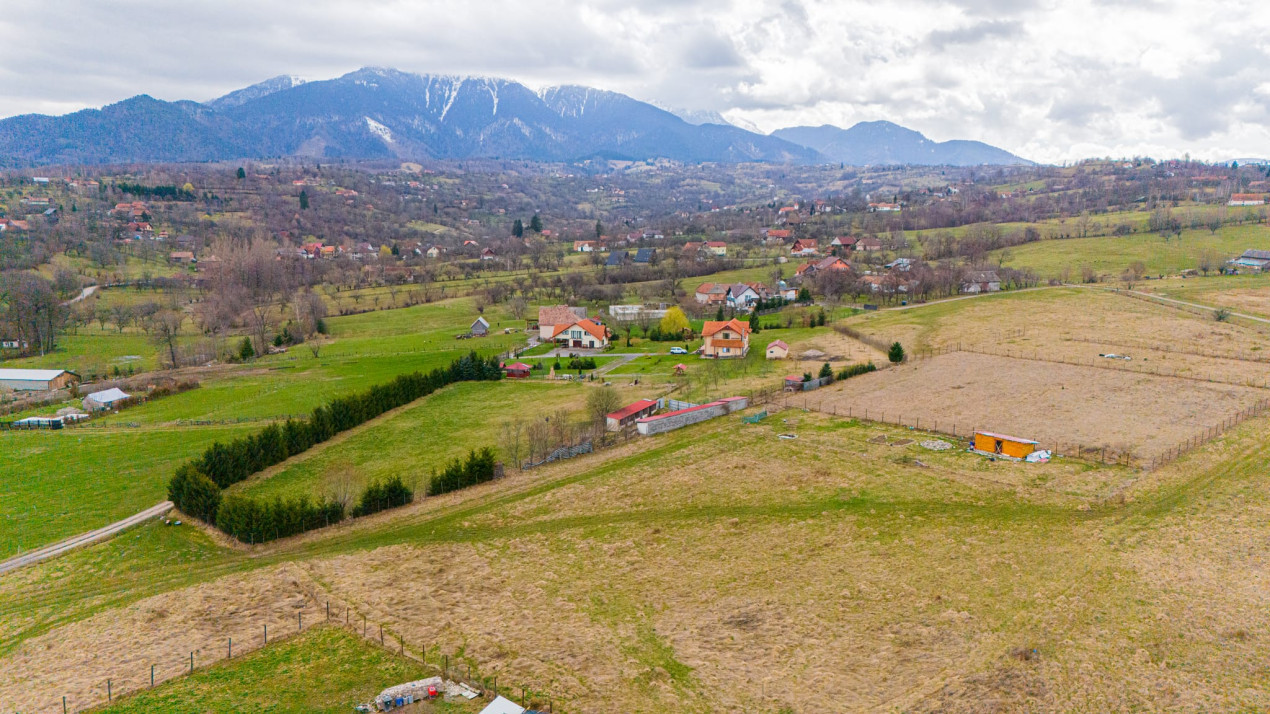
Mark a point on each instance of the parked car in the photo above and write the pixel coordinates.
(678, 351)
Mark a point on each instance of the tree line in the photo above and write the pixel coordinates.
(196, 485)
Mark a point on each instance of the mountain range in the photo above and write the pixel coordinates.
(383, 113)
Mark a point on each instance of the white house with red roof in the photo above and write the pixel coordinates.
(583, 334)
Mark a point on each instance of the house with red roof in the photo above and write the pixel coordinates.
(727, 339)
(777, 236)
(583, 334)
(717, 247)
(803, 246)
(629, 413)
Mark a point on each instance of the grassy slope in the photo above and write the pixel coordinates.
(325, 670)
(1111, 255)
(71, 481)
(61, 483)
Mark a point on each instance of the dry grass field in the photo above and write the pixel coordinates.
(724, 568)
(1055, 404)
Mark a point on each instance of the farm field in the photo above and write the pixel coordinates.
(935, 570)
(1069, 322)
(420, 438)
(1060, 405)
(1111, 255)
(1249, 293)
(61, 483)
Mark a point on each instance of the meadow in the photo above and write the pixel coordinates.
(808, 562)
(325, 670)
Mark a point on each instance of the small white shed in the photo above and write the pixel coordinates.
(106, 399)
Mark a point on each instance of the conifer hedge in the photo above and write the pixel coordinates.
(461, 473)
(196, 486)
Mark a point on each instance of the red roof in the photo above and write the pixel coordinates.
(596, 331)
(711, 327)
(630, 409)
(518, 367)
(716, 244)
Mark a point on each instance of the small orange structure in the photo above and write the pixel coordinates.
(1011, 446)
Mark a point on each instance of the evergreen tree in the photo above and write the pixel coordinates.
(599, 230)
(896, 353)
(755, 327)
(535, 224)
(718, 315)
(518, 229)
(826, 371)
(242, 173)
(245, 350)
(304, 200)
(804, 295)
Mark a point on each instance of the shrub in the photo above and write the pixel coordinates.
(895, 353)
(826, 371)
(382, 496)
(855, 370)
(460, 473)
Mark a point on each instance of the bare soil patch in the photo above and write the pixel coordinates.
(1057, 404)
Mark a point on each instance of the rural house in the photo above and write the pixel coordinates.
(645, 256)
(803, 246)
(777, 236)
(1246, 199)
(629, 413)
(584, 246)
(480, 328)
(1254, 259)
(712, 293)
(551, 315)
(742, 296)
(868, 243)
(728, 339)
(583, 334)
(717, 247)
(36, 380)
(981, 281)
(777, 349)
(617, 258)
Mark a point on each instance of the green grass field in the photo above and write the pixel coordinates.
(60, 483)
(325, 670)
(1112, 255)
(417, 439)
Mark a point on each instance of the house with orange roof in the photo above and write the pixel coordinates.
(717, 247)
(584, 334)
(776, 236)
(803, 246)
(727, 339)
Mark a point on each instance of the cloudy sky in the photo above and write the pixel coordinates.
(1051, 80)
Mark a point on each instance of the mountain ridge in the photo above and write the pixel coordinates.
(883, 143)
(377, 113)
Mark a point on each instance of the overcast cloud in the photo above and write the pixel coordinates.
(1046, 79)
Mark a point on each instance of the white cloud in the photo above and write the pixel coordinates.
(1051, 80)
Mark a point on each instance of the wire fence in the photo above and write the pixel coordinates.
(1105, 454)
(1116, 365)
(451, 665)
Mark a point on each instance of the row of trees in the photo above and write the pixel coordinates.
(196, 486)
(478, 467)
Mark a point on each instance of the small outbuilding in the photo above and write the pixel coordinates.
(777, 349)
(1003, 445)
(629, 413)
(794, 383)
(480, 328)
(107, 399)
(517, 370)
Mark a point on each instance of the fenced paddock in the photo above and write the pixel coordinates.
(1112, 415)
